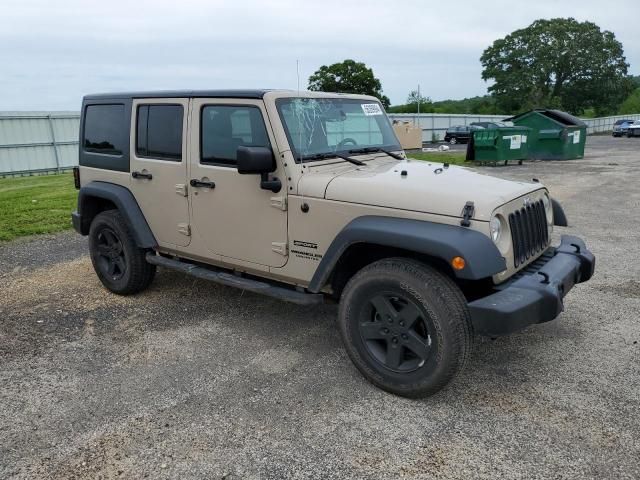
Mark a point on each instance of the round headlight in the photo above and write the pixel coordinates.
(548, 209)
(496, 229)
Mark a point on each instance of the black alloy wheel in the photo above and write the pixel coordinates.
(396, 333)
(111, 258)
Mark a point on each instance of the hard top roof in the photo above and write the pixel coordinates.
(257, 93)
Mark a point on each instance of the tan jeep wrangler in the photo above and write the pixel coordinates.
(309, 197)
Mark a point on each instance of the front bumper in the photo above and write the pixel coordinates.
(535, 294)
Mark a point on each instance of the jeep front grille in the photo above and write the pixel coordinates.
(529, 232)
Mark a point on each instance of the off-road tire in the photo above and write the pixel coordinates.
(446, 318)
(136, 274)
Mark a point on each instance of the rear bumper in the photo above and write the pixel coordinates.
(534, 295)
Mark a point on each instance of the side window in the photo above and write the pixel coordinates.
(104, 129)
(159, 132)
(226, 127)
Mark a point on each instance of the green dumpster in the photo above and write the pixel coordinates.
(555, 135)
(500, 144)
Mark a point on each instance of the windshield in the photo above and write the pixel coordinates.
(318, 126)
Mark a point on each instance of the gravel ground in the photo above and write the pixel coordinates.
(192, 380)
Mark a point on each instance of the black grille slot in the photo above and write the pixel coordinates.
(529, 232)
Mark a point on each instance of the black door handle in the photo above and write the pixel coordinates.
(201, 183)
(148, 176)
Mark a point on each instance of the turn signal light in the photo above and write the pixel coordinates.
(458, 263)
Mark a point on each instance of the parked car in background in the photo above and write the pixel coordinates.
(488, 124)
(620, 127)
(459, 133)
(633, 129)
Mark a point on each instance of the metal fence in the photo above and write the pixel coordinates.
(38, 142)
(605, 124)
(43, 142)
(434, 125)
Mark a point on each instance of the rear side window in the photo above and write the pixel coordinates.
(104, 129)
(159, 132)
(226, 127)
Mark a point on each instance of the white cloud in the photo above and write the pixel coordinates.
(51, 53)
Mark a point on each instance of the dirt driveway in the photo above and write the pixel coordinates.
(194, 380)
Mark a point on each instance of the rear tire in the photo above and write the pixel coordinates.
(119, 263)
(405, 326)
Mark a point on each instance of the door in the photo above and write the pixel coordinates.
(231, 214)
(159, 167)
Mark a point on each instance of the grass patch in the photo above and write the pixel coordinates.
(453, 158)
(34, 205)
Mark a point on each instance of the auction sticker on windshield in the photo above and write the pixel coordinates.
(371, 109)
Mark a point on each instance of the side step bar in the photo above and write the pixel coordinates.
(224, 278)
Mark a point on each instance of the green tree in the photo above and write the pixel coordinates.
(414, 99)
(631, 104)
(347, 77)
(558, 63)
(485, 105)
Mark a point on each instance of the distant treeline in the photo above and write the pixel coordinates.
(485, 105)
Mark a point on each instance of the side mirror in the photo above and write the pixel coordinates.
(253, 160)
(259, 160)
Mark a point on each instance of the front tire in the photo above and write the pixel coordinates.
(119, 263)
(405, 326)
(453, 141)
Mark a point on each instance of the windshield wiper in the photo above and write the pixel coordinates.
(375, 150)
(324, 156)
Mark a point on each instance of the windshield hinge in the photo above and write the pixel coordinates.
(279, 202)
(467, 214)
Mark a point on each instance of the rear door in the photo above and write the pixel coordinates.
(159, 167)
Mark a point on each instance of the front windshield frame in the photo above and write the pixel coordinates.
(389, 139)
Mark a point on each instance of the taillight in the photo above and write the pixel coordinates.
(76, 177)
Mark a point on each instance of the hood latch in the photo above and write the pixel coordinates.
(467, 214)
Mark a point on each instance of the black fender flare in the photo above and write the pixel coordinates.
(124, 201)
(559, 218)
(483, 259)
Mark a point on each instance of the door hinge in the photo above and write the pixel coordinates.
(279, 203)
(181, 189)
(185, 229)
(279, 247)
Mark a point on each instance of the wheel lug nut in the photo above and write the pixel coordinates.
(401, 323)
(385, 330)
(404, 336)
(394, 340)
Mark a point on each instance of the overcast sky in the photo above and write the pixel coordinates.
(53, 52)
